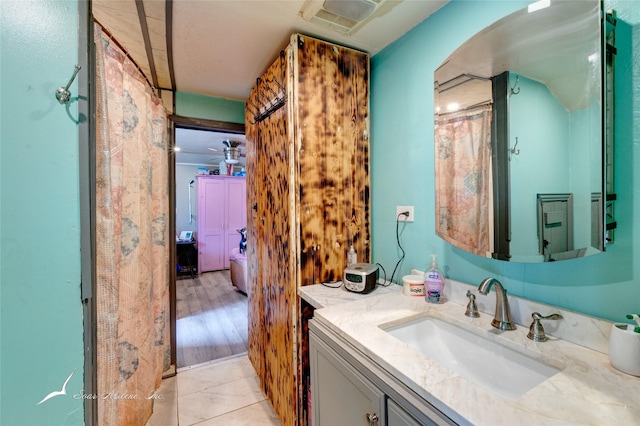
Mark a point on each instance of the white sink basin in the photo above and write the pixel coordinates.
(500, 369)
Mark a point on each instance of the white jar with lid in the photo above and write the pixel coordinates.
(413, 285)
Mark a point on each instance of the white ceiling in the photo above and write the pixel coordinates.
(553, 46)
(219, 47)
(205, 148)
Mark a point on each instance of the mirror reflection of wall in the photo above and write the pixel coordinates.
(545, 72)
(560, 156)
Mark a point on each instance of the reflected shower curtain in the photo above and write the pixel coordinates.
(132, 238)
(464, 203)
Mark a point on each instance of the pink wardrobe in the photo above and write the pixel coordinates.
(221, 213)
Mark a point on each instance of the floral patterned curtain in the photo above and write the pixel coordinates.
(464, 203)
(132, 238)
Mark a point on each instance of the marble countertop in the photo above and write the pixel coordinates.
(322, 296)
(587, 390)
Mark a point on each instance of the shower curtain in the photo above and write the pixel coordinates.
(464, 190)
(132, 238)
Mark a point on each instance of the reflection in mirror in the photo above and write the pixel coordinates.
(518, 123)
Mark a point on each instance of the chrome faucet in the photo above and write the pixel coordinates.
(502, 318)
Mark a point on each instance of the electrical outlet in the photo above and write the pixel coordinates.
(401, 217)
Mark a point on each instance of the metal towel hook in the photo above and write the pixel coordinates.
(513, 89)
(513, 150)
(62, 94)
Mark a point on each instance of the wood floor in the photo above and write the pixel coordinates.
(211, 318)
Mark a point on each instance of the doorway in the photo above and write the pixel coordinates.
(555, 226)
(209, 315)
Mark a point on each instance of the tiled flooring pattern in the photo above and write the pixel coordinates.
(224, 392)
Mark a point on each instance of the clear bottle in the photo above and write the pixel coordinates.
(434, 283)
(352, 257)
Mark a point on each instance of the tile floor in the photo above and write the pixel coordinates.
(223, 392)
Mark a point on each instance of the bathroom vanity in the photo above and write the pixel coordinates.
(349, 389)
(363, 373)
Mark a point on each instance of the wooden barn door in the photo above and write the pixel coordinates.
(272, 277)
(332, 115)
(307, 177)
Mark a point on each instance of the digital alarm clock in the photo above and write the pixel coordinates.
(360, 277)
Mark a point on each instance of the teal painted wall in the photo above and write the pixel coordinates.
(559, 149)
(606, 285)
(41, 311)
(207, 107)
(542, 126)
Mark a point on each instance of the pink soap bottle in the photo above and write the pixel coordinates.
(434, 283)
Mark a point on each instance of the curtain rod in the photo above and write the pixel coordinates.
(469, 108)
(126, 53)
(469, 77)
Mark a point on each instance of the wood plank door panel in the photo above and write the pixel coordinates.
(332, 107)
(255, 292)
(278, 260)
(273, 298)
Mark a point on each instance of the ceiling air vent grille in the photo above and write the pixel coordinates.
(331, 20)
(344, 16)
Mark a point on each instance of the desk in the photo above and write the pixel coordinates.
(187, 256)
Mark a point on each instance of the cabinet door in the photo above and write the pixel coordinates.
(397, 416)
(341, 395)
(211, 222)
(235, 214)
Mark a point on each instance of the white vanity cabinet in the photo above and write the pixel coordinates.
(349, 389)
(397, 416)
(341, 395)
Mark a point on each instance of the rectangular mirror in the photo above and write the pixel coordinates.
(519, 117)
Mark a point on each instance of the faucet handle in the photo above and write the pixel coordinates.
(472, 308)
(536, 331)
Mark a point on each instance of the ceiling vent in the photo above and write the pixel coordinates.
(343, 16)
